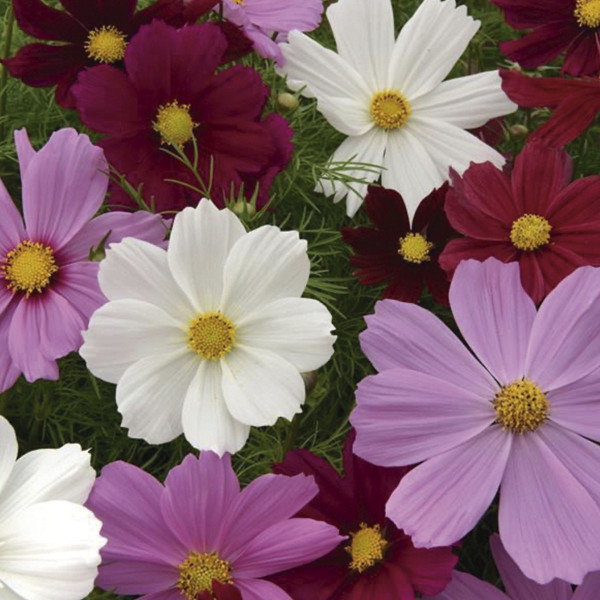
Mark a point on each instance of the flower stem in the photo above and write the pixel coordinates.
(291, 434)
(8, 32)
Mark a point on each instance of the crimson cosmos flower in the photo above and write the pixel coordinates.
(393, 251)
(378, 560)
(170, 93)
(534, 216)
(558, 25)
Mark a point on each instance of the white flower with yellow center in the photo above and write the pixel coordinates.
(389, 96)
(210, 336)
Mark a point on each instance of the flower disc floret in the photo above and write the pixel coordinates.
(198, 571)
(106, 44)
(366, 547)
(211, 335)
(29, 267)
(414, 248)
(530, 232)
(389, 109)
(587, 13)
(521, 406)
(174, 123)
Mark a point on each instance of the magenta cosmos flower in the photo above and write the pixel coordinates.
(521, 419)
(48, 287)
(171, 93)
(518, 587)
(378, 560)
(199, 534)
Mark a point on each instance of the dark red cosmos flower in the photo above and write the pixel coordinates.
(535, 217)
(170, 93)
(558, 25)
(378, 561)
(576, 102)
(393, 251)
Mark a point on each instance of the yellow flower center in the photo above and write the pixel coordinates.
(389, 109)
(366, 547)
(240, 2)
(198, 571)
(530, 232)
(29, 267)
(521, 406)
(174, 123)
(106, 44)
(587, 13)
(414, 248)
(211, 335)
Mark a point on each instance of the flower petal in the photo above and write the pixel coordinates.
(259, 589)
(137, 577)
(588, 590)
(25, 151)
(8, 451)
(11, 224)
(466, 587)
(441, 500)
(9, 373)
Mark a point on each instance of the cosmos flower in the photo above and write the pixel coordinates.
(378, 560)
(389, 96)
(48, 285)
(171, 93)
(49, 543)
(518, 587)
(535, 216)
(210, 336)
(557, 26)
(199, 534)
(524, 419)
(393, 251)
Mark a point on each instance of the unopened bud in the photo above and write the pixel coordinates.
(518, 131)
(244, 209)
(287, 101)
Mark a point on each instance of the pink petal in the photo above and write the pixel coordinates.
(136, 577)
(11, 224)
(284, 15)
(590, 588)
(565, 338)
(520, 587)
(494, 314)
(441, 500)
(9, 373)
(25, 151)
(403, 417)
(401, 334)
(63, 187)
(173, 594)
(199, 494)
(258, 589)
(466, 587)
(549, 523)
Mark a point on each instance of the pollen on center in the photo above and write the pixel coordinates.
(530, 232)
(211, 335)
(366, 547)
(587, 13)
(174, 123)
(198, 571)
(389, 109)
(414, 248)
(521, 406)
(106, 44)
(29, 267)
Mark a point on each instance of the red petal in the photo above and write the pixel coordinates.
(466, 248)
(583, 55)
(407, 285)
(522, 14)
(578, 204)
(437, 282)
(45, 23)
(387, 211)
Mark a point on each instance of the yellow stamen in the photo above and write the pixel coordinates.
(211, 335)
(29, 267)
(366, 547)
(106, 44)
(530, 232)
(240, 2)
(389, 109)
(414, 248)
(198, 571)
(587, 13)
(174, 123)
(521, 406)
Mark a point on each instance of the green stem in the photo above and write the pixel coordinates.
(10, 21)
(291, 434)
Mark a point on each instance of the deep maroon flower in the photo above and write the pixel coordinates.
(576, 103)
(393, 251)
(378, 560)
(534, 216)
(170, 93)
(557, 25)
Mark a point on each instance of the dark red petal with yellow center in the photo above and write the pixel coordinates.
(526, 14)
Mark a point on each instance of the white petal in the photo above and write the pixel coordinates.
(466, 102)
(298, 329)
(266, 264)
(125, 331)
(151, 393)
(367, 148)
(139, 270)
(8, 450)
(428, 47)
(260, 386)
(50, 551)
(201, 240)
(207, 424)
(364, 35)
(50, 474)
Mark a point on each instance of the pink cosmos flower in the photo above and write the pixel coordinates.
(199, 534)
(48, 285)
(267, 22)
(520, 419)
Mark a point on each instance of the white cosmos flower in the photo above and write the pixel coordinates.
(389, 96)
(49, 543)
(210, 336)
